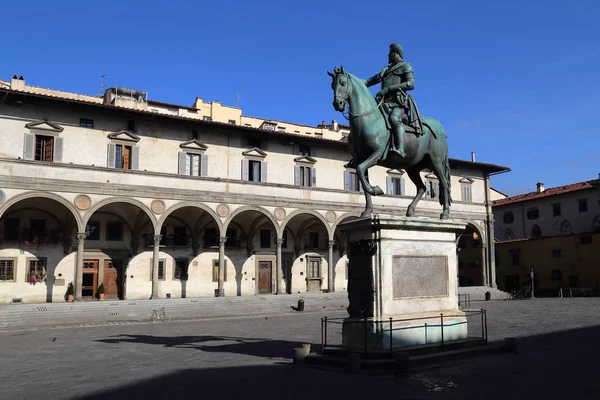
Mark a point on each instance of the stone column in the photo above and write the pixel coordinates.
(491, 253)
(330, 269)
(79, 265)
(155, 256)
(280, 281)
(221, 290)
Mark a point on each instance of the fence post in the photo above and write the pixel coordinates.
(391, 342)
(482, 324)
(486, 331)
(425, 332)
(442, 328)
(325, 332)
(322, 337)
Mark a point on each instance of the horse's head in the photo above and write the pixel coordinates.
(341, 88)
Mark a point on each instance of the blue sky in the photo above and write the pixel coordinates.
(516, 82)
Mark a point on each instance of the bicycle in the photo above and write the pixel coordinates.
(156, 315)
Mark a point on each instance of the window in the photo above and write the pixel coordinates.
(285, 236)
(114, 231)
(432, 189)
(211, 237)
(536, 231)
(86, 122)
(161, 270)
(180, 272)
(195, 135)
(92, 230)
(515, 257)
(268, 127)
(533, 213)
(351, 182)
(7, 270)
(466, 193)
(254, 170)
(265, 238)
(206, 118)
(508, 217)
(36, 268)
(556, 275)
(179, 236)
(556, 210)
(281, 129)
(122, 156)
(232, 238)
(37, 230)
(556, 253)
(232, 122)
(215, 271)
(304, 150)
(43, 148)
(304, 176)
(192, 164)
(583, 206)
(11, 229)
(585, 240)
(131, 125)
(395, 185)
(314, 268)
(313, 240)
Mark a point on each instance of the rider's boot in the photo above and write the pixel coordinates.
(398, 132)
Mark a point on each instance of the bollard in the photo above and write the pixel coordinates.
(300, 305)
(488, 296)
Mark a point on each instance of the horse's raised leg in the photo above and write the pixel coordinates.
(439, 171)
(368, 202)
(363, 177)
(415, 177)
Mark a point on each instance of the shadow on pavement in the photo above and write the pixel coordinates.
(217, 344)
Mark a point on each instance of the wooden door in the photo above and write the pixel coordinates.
(264, 277)
(314, 275)
(126, 156)
(89, 284)
(113, 285)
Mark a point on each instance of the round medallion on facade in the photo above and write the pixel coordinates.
(157, 206)
(2, 197)
(330, 216)
(222, 210)
(82, 202)
(279, 213)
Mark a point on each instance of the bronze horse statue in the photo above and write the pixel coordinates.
(370, 141)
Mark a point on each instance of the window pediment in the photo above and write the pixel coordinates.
(254, 152)
(193, 145)
(45, 125)
(395, 172)
(124, 135)
(305, 160)
(466, 180)
(431, 177)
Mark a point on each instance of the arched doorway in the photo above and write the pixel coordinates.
(308, 255)
(115, 252)
(37, 256)
(471, 258)
(251, 248)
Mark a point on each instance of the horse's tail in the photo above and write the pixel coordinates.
(446, 166)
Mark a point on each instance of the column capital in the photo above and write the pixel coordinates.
(222, 240)
(279, 242)
(331, 243)
(157, 239)
(81, 237)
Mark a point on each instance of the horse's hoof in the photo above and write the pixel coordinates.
(377, 191)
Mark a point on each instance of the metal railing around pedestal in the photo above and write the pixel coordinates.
(369, 323)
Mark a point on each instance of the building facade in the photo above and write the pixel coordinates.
(155, 200)
(553, 232)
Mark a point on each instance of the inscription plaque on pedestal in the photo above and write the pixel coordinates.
(419, 276)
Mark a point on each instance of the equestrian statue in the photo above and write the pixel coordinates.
(387, 130)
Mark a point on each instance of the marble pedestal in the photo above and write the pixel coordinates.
(404, 269)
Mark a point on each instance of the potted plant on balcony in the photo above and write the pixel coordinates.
(70, 293)
(100, 292)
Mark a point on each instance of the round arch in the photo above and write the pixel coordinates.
(127, 200)
(314, 214)
(475, 226)
(250, 208)
(47, 195)
(202, 207)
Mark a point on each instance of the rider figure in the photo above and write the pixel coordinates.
(396, 79)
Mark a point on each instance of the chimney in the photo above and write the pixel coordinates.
(335, 126)
(17, 83)
(472, 156)
(540, 187)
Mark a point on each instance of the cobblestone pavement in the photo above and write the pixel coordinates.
(251, 357)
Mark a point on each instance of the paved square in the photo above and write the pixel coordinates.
(251, 357)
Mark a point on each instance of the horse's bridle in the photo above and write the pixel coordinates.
(344, 96)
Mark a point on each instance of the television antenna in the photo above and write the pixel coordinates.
(237, 100)
(102, 84)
